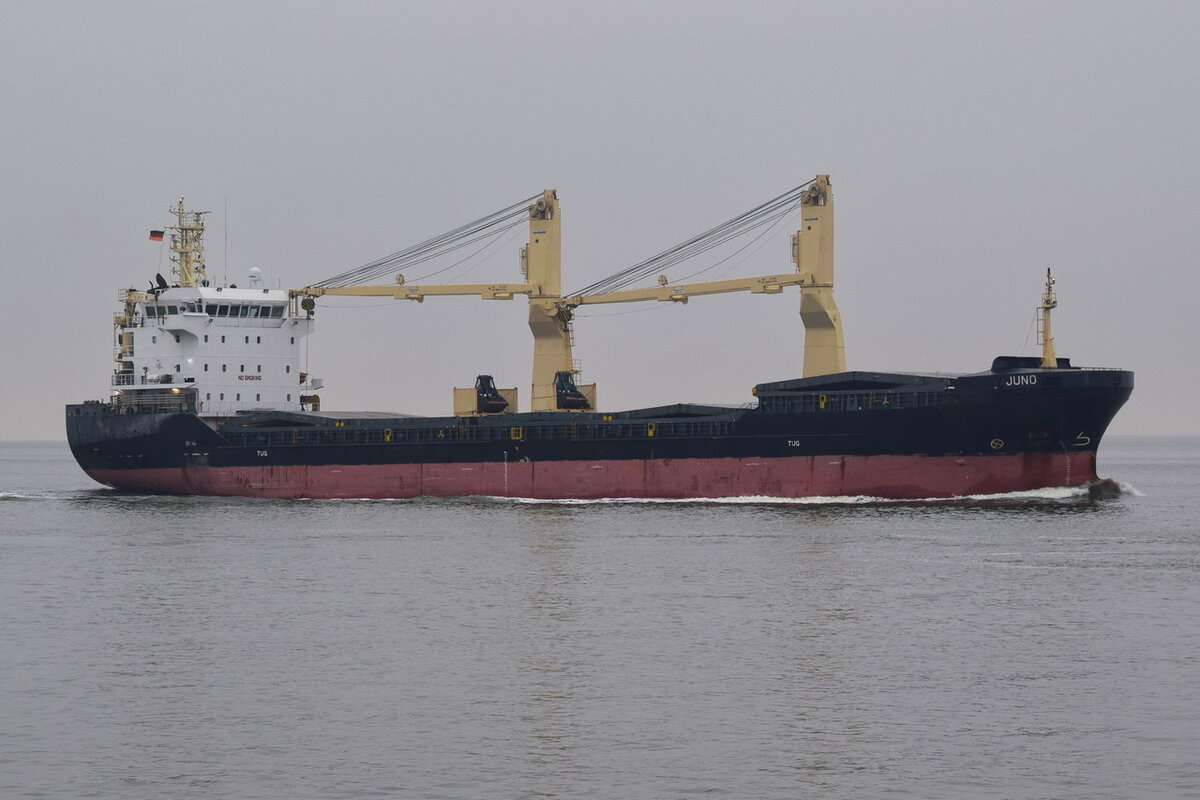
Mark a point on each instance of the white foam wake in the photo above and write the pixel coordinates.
(1056, 494)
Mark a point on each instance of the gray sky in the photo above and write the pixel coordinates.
(971, 145)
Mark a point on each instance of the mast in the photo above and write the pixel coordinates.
(187, 246)
(549, 318)
(1049, 302)
(812, 250)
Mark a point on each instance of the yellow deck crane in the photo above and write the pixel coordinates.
(551, 314)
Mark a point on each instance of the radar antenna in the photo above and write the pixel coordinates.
(187, 246)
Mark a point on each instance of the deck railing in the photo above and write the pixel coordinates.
(156, 401)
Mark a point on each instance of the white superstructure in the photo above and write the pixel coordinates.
(241, 349)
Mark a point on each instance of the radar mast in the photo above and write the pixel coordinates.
(187, 246)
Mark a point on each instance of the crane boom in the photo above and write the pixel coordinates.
(761, 284)
(404, 291)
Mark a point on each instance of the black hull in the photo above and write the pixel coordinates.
(1001, 414)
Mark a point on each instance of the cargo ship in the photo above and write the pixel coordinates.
(211, 396)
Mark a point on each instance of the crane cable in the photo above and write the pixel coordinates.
(491, 227)
(764, 214)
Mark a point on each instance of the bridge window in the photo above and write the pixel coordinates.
(211, 309)
(222, 311)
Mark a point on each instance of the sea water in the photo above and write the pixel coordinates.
(1044, 645)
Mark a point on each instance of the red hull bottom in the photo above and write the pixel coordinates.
(892, 477)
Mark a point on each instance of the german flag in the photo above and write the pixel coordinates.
(156, 236)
